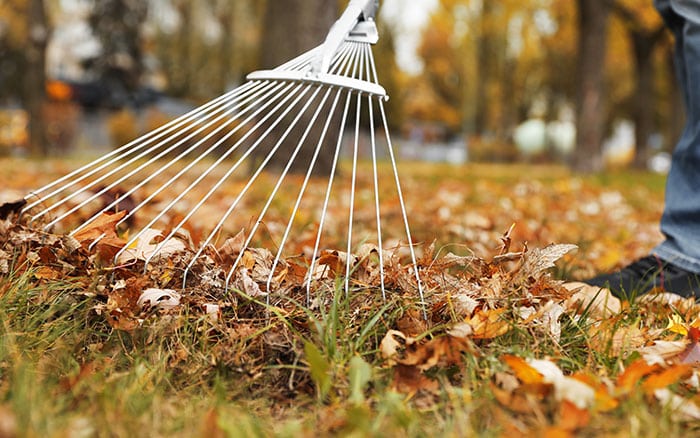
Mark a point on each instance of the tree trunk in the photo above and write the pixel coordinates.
(590, 108)
(293, 27)
(485, 54)
(35, 77)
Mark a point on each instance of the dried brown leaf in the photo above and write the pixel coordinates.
(104, 225)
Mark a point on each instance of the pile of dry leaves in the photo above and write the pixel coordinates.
(469, 302)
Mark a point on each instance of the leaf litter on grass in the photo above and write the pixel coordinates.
(501, 316)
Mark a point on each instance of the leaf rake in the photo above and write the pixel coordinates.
(289, 115)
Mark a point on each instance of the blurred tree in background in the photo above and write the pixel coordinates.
(487, 66)
(645, 32)
(24, 35)
(118, 26)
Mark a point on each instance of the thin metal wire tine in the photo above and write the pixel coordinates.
(131, 147)
(376, 197)
(348, 261)
(344, 54)
(300, 60)
(184, 170)
(382, 276)
(220, 224)
(326, 200)
(96, 241)
(209, 170)
(351, 213)
(124, 165)
(270, 198)
(162, 169)
(404, 214)
(303, 61)
(350, 67)
(395, 171)
(304, 185)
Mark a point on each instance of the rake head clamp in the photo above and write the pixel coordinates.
(200, 168)
(355, 25)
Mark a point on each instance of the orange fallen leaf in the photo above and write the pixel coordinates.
(556, 432)
(524, 400)
(488, 324)
(47, 273)
(522, 369)
(571, 417)
(634, 373)
(666, 377)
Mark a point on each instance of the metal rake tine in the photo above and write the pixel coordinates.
(352, 195)
(326, 200)
(283, 175)
(220, 224)
(354, 180)
(163, 168)
(353, 54)
(404, 214)
(203, 154)
(123, 166)
(115, 155)
(204, 174)
(342, 63)
(376, 197)
(373, 144)
(302, 190)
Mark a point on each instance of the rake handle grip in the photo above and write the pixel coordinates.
(356, 12)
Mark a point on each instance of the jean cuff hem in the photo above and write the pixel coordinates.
(677, 258)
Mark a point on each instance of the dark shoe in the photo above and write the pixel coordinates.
(647, 274)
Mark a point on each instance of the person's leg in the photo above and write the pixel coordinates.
(674, 265)
(681, 218)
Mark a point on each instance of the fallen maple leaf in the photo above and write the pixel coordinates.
(233, 245)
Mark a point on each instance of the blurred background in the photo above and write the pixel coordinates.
(589, 83)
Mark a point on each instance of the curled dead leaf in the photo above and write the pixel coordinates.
(145, 247)
(163, 299)
(599, 302)
(389, 346)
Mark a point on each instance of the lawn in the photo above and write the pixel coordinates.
(500, 346)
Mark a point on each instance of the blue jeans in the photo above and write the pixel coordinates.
(680, 222)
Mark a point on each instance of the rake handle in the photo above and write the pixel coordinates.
(357, 11)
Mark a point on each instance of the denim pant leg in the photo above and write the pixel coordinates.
(680, 222)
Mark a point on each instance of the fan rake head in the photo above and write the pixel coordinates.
(251, 159)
